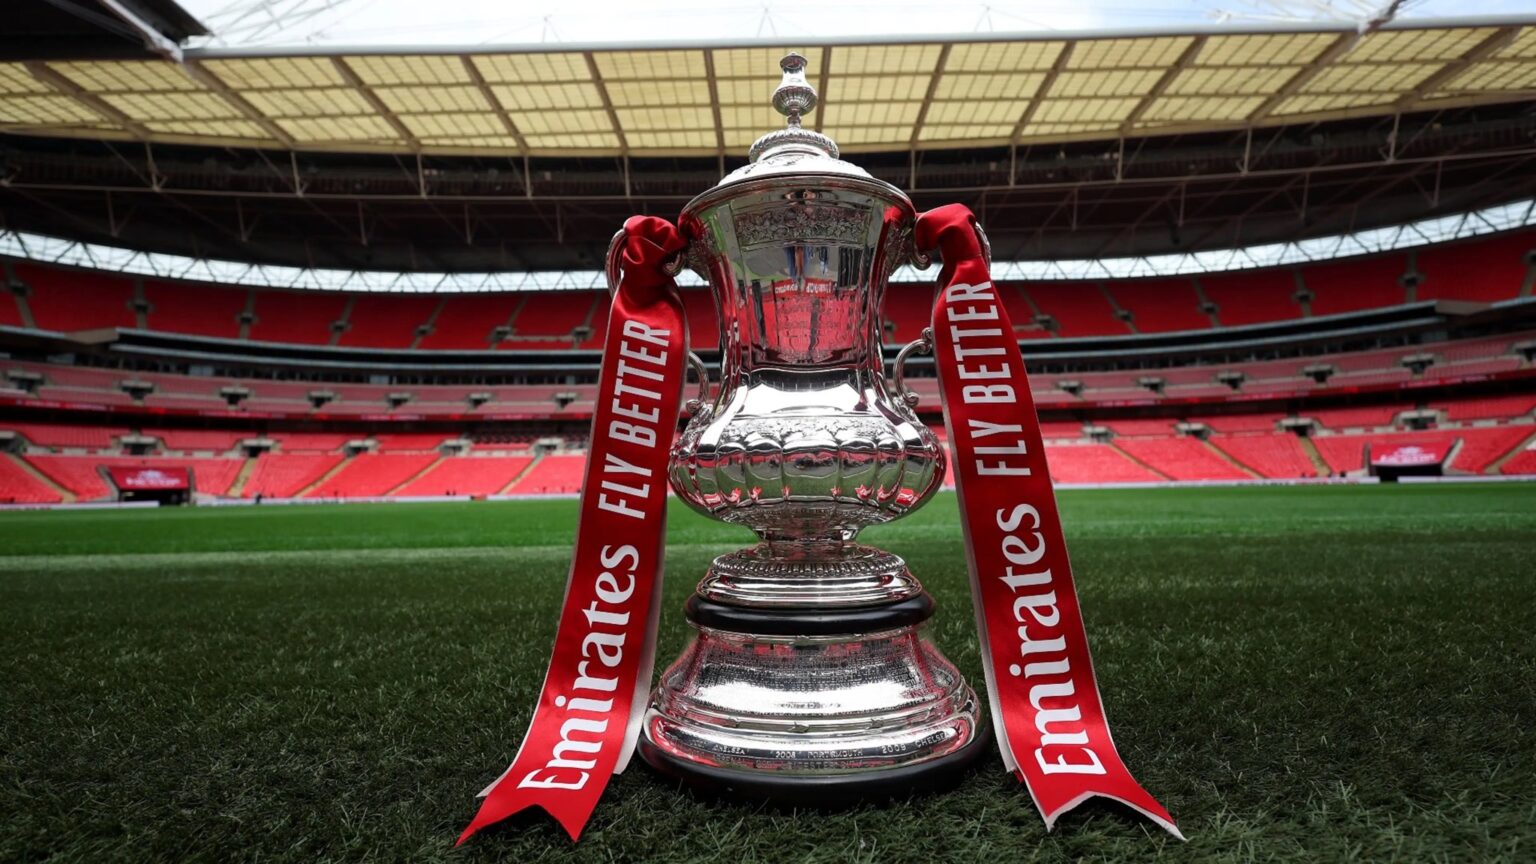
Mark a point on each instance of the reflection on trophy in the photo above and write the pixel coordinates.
(809, 675)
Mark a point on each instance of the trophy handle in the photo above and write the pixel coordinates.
(986, 245)
(613, 260)
(923, 345)
(693, 405)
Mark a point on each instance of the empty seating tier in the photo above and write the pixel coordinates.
(555, 474)
(1523, 462)
(83, 475)
(1277, 455)
(1252, 297)
(1182, 458)
(1094, 463)
(69, 300)
(468, 475)
(304, 317)
(62, 436)
(1480, 270)
(1079, 308)
(284, 475)
(1492, 408)
(1161, 305)
(372, 474)
(466, 323)
(19, 486)
(197, 439)
(205, 310)
(1356, 284)
(388, 321)
(1487, 269)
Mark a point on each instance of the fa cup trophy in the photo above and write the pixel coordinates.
(809, 675)
(808, 678)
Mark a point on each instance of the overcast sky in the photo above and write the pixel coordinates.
(470, 22)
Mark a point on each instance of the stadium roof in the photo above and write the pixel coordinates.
(974, 90)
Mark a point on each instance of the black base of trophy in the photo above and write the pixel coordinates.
(830, 791)
(808, 621)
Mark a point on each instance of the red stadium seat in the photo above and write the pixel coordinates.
(1358, 417)
(1485, 270)
(1080, 308)
(1094, 463)
(1491, 408)
(69, 300)
(703, 322)
(1480, 447)
(1157, 426)
(1227, 424)
(546, 319)
(1252, 296)
(1160, 305)
(58, 435)
(555, 474)
(415, 441)
(910, 308)
(19, 486)
(284, 475)
(1182, 458)
(303, 317)
(1356, 284)
(468, 475)
(372, 474)
(1277, 455)
(82, 475)
(1524, 462)
(465, 322)
(203, 310)
(217, 440)
(10, 310)
(387, 321)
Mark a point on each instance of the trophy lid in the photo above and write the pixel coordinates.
(794, 152)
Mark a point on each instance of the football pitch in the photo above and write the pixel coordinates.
(1327, 673)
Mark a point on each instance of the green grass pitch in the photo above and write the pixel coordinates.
(1297, 673)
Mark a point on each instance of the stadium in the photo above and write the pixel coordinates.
(300, 352)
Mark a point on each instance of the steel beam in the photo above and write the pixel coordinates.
(45, 74)
(206, 77)
(372, 98)
(933, 87)
(1336, 49)
(602, 92)
(1186, 59)
(714, 100)
(1454, 69)
(1041, 92)
(489, 96)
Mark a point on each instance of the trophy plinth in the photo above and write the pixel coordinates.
(809, 676)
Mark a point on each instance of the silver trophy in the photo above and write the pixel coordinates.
(809, 677)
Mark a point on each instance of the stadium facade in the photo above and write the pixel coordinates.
(1232, 255)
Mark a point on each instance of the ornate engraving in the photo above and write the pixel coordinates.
(798, 223)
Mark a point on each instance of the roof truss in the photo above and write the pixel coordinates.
(694, 100)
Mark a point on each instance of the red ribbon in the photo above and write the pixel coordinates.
(595, 691)
(1045, 701)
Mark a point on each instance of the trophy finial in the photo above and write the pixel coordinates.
(795, 95)
(794, 98)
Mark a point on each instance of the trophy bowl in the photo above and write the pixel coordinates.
(809, 675)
